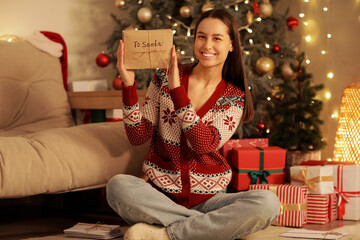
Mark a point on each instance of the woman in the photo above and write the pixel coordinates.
(188, 115)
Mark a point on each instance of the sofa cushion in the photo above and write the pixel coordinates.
(32, 95)
(66, 159)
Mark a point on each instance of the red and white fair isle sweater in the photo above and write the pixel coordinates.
(183, 160)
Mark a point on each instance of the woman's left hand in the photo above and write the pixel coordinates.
(173, 78)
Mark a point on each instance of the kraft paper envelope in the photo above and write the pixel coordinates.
(147, 49)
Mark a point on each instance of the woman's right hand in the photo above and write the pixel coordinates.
(128, 76)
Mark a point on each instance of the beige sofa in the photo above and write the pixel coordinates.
(41, 150)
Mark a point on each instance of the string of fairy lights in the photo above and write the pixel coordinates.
(313, 34)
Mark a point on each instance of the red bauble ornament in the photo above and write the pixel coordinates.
(276, 48)
(261, 126)
(117, 83)
(102, 60)
(292, 22)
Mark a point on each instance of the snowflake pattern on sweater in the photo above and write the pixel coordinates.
(183, 159)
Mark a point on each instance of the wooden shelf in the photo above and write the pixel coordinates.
(99, 99)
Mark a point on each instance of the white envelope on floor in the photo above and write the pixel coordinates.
(313, 234)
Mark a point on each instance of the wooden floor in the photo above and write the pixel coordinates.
(46, 216)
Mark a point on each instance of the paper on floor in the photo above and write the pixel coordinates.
(313, 234)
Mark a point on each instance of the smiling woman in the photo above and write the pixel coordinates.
(189, 113)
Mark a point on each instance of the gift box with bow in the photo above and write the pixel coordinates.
(253, 165)
(226, 150)
(318, 179)
(347, 186)
(293, 199)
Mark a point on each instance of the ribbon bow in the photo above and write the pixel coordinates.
(343, 198)
(301, 177)
(310, 182)
(261, 174)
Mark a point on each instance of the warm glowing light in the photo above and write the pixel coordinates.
(328, 35)
(251, 41)
(307, 61)
(327, 95)
(175, 24)
(267, 45)
(306, 1)
(247, 52)
(330, 75)
(249, 30)
(325, 9)
(193, 59)
(246, 1)
(308, 38)
(347, 140)
(268, 98)
(306, 23)
(267, 130)
(174, 31)
(258, 19)
(323, 52)
(329, 160)
(182, 52)
(334, 115)
(302, 15)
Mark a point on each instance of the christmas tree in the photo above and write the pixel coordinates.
(268, 55)
(297, 113)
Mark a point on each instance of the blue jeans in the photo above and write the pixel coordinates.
(222, 217)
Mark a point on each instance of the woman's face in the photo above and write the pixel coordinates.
(212, 43)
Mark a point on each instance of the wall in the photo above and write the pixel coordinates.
(342, 21)
(84, 24)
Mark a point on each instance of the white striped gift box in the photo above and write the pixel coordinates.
(293, 201)
(321, 209)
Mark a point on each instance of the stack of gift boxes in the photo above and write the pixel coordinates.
(319, 192)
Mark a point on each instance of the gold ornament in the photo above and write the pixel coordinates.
(287, 72)
(264, 65)
(185, 11)
(144, 14)
(249, 17)
(207, 6)
(120, 3)
(266, 10)
(275, 93)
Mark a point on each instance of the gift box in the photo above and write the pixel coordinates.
(147, 49)
(294, 158)
(318, 179)
(114, 115)
(347, 186)
(293, 201)
(248, 142)
(253, 165)
(321, 209)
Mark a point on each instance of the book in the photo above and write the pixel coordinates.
(96, 231)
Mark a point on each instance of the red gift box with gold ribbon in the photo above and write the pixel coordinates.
(293, 199)
(252, 165)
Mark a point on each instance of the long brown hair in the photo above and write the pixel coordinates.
(233, 70)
